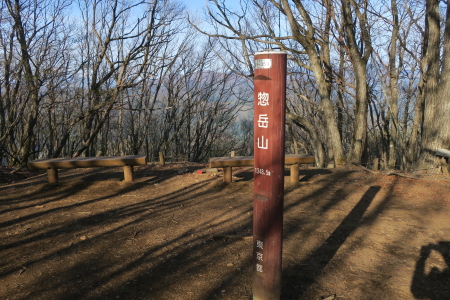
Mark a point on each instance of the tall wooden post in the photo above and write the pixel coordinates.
(268, 198)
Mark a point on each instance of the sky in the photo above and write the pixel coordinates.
(199, 4)
(195, 4)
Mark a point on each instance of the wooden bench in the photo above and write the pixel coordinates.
(227, 163)
(52, 165)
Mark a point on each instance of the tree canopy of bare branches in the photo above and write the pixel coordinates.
(366, 79)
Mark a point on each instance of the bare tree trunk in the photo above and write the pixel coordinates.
(359, 60)
(393, 72)
(15, 11)
(436, 125)
(413, 148)
(318, 63)
(341, 90)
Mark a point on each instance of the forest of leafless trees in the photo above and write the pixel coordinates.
(366, 78)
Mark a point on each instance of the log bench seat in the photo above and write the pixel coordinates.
(227, 163)
(52, 165)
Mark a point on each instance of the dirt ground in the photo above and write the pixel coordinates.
(175, 234)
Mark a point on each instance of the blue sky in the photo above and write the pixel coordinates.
(195, 4)
(199, 4)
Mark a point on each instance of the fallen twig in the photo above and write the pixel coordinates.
(389, 173)
(365, 169)
(385, 173)
(23, 165)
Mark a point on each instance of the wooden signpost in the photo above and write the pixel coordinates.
(268, 197)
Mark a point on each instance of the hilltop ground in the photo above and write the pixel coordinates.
(173, 234)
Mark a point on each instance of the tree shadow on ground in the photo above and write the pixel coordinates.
(431, 279)
(296, 280)
(307, 174)
(120, 244)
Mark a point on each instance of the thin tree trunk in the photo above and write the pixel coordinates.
(393, 72)
(359, 60)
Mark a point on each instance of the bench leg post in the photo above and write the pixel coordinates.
(294, 173)
(227, 174)
(128, 173)
(52, 175)
(162, 161)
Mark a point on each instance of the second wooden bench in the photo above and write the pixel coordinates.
(227, 163)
